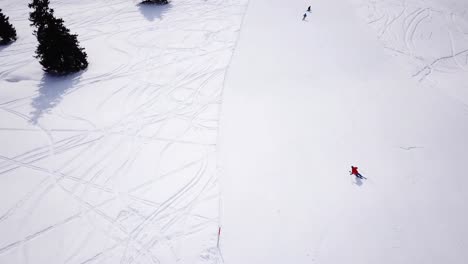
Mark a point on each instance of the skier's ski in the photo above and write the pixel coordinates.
(358, 176)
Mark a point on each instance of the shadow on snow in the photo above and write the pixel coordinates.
(153, 11)
(358, 181)
(50, 93)
(4, 46)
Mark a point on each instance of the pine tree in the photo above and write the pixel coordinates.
(158, 2)
(40, 11)
(58, 50)
(7, 31)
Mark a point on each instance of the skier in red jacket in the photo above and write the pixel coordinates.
(354, 171)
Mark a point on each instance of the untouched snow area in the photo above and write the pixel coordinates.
(115, 164)
(377, 84)
(122, 163)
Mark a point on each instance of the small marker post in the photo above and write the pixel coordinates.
(219, 234)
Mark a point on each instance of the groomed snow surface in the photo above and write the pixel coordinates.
(182, 124)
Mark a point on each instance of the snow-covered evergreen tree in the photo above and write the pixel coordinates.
(7, 31)
(58, 50)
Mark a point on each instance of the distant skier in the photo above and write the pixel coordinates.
(304, 17)
(354, 171)
(308, 9)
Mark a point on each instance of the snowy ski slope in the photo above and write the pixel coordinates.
(377, 84)
(116, 164)
(123, 163)
(429, 37)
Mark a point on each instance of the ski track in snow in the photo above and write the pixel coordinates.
(116, 164)
(412, 30)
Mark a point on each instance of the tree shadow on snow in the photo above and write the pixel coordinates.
(50, 93)
(4, 46)
(153, 11)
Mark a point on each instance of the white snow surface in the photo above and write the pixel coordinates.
(115, 164)
(123, 162)
(382, 85)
